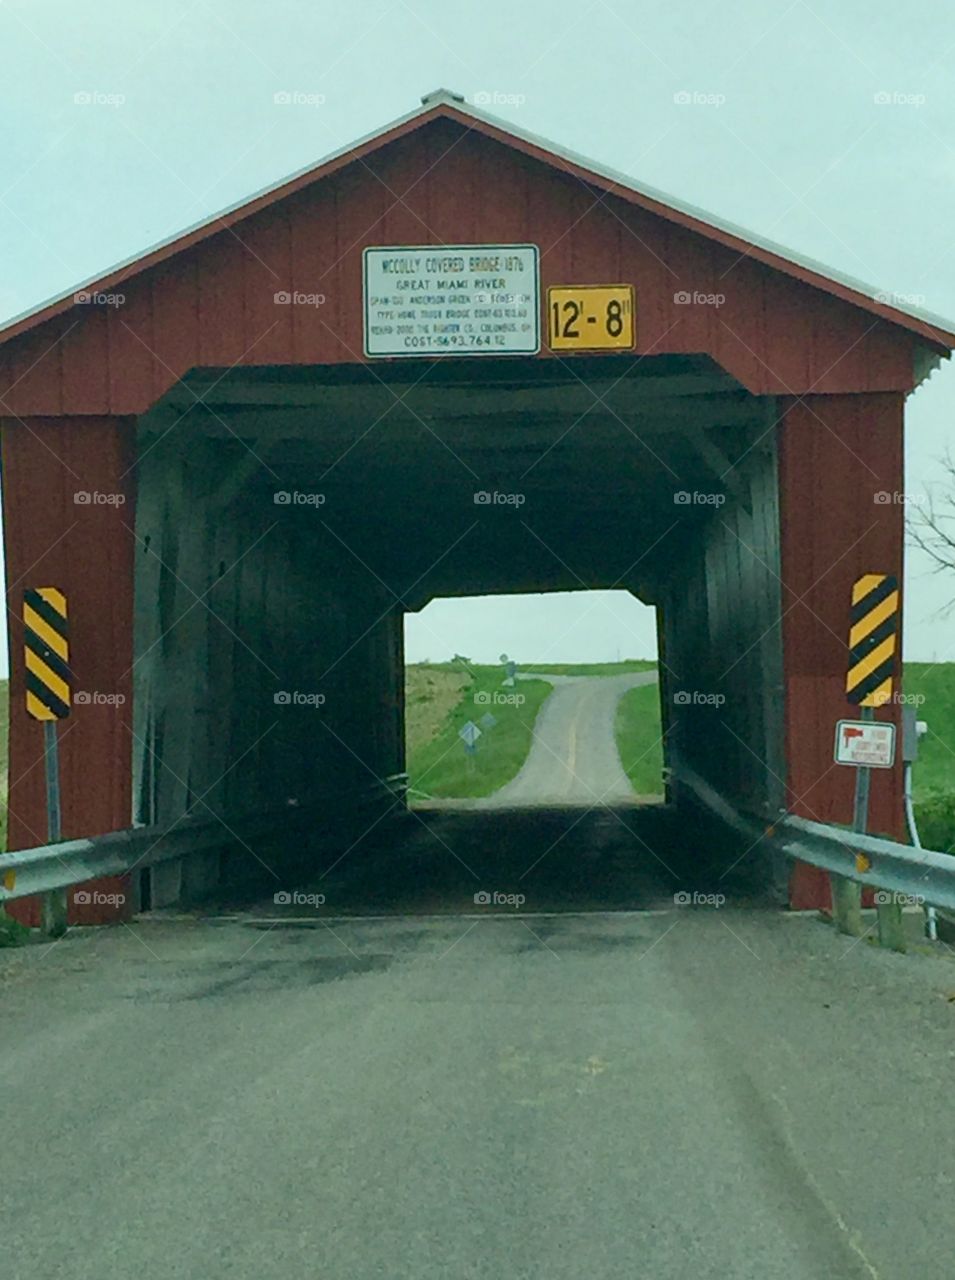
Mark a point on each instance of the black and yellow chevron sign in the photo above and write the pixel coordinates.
(45, 636)
(873, 639)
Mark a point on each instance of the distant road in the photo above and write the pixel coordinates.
(573, 759)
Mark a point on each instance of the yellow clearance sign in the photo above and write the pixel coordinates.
(591, 317)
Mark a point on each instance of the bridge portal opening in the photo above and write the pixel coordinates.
(532, 700)
(289, 518)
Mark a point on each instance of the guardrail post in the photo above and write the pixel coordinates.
(53, 913)
(891, 928)
(846, 904)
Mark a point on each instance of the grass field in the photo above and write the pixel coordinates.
(935, 682)
(438, 764)
(431, 694)
(933, 774)
(638, 739)
(591, 669)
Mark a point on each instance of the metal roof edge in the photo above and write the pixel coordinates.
(209, 221)
(626, 182)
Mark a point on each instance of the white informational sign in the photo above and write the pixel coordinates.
(469, 733)
(865, 742)
(462, 300)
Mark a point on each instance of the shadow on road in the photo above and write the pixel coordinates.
(561, 859)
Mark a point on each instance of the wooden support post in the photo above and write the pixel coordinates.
(891, 928)
(846, 905)
(51, 467)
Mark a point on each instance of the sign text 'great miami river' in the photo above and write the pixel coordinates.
(452, 299)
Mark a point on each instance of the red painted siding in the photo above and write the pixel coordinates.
(86, 549)
(836, 453)
(213, 305)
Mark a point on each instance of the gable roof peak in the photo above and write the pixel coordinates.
(440, 95)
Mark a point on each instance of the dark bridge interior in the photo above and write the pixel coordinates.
(309, 508)
(594, 452)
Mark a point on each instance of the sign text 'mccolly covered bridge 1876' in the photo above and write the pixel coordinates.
(459, 299)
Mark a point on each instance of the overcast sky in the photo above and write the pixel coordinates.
(827, 127)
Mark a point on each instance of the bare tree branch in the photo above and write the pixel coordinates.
(932, 529)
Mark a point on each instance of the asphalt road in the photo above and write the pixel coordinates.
(573, 758)
(691, 1092)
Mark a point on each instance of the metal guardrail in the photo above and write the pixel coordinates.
(921, 874)
(924, 875)
(52, 867)
(57, 866)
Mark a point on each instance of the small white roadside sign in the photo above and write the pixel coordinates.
(868, 743)
(458, 299)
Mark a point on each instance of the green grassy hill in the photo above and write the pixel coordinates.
(589, 669)
(933, 685)
(438, 765)
(933, 775)
(639, 739)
